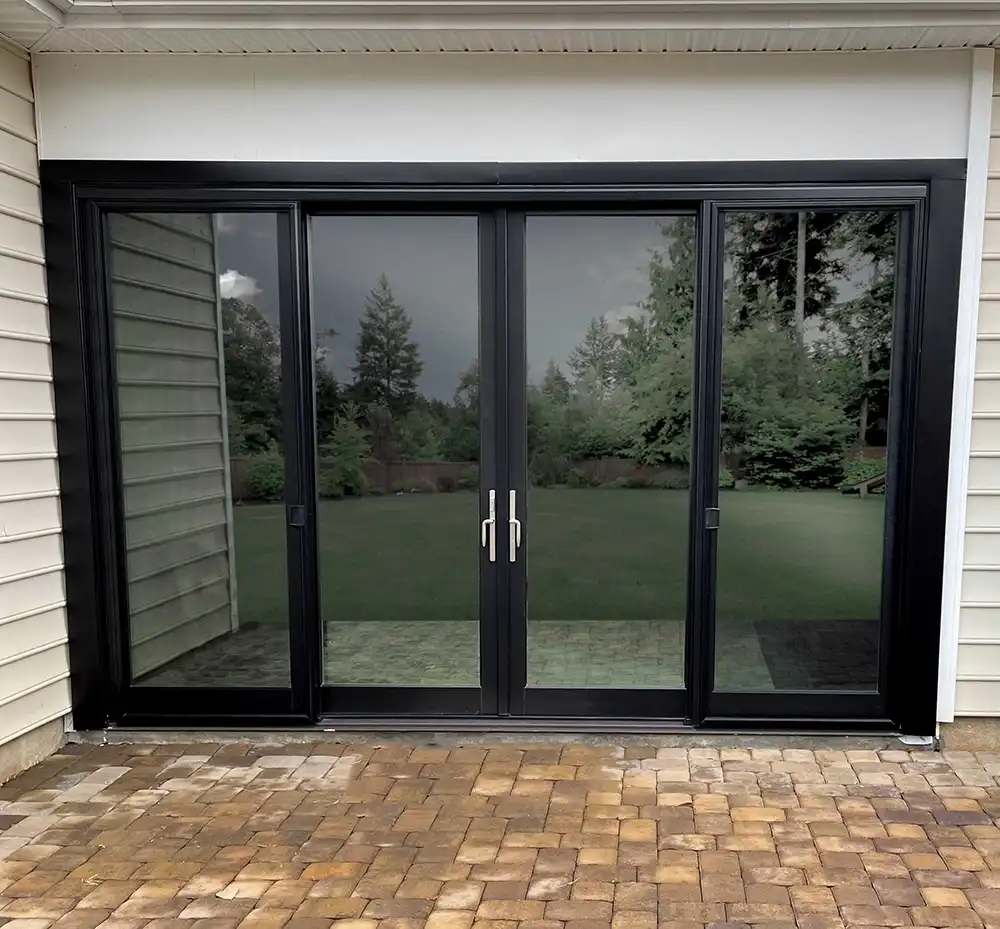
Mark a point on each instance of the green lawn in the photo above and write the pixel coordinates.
(592, 554)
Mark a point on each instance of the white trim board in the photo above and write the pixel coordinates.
(980, 112)
(524, 108)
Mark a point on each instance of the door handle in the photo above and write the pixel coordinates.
(514, 526)
(488, 529)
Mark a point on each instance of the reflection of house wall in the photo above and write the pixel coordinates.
(34, 669)
(173, 438)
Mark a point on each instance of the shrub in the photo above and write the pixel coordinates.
(447, 484)
(726, 479)
(266, 478)
(546, 469)
(800, 446)
(341, 459)
(577, 477)
(468, 481)
(617, 484)
(637, 482)
(862, 469)
(673, 479)
(330, 487)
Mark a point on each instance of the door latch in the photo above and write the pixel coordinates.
(514, 525)
(712, 517)
(488, 529)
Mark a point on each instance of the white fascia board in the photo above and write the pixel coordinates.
(506, 14)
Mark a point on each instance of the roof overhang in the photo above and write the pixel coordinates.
(304, 26)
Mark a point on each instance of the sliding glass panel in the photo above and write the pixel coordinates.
(395, 306)
(807, 344)
(609, 313)
(194, 303)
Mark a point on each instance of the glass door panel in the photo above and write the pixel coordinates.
(608, 322)
(395, 316)
(194, 310)
(809, 305)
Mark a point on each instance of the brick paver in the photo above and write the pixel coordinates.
(362, 836)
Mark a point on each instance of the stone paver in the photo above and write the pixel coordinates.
(362, 836)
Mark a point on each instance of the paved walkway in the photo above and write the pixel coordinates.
(358, 836)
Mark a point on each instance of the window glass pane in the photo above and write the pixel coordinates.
(610, 309)
(395, 305)
(807, 344)
(194, 299)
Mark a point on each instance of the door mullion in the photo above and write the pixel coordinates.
(516, 435)
(491, 634)
(699, 657)
(299, 428)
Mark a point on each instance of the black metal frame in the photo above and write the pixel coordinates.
(74, 194)
(359, 699)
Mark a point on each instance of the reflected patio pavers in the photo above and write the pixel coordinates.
(586, 653)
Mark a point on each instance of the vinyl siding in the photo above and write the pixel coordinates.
(34, 664)
(171, 408)
(978, 684)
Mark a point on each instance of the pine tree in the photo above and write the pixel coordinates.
(555, 385)
(595, 360)
(774, 259)
(388, 360)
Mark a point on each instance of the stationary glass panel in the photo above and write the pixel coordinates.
(194, 305)
(609, 322)
(807, 350)
(395, 309)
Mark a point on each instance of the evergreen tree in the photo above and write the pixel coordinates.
(388, 360)
(765, 249)
(251, 352)
(860, 330)
(595, 359)
(555, 384)
(666, 316)
(461, 441)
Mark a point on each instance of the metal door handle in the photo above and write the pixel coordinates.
(514, 525)
(488, 530)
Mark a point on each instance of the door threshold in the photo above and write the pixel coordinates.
(555, 728)
(653, 733)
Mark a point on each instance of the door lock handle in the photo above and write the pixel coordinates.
(488, 529)
(513, 525)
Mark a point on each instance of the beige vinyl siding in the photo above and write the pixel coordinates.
(171, 407)
(978, 684)
(34, 664)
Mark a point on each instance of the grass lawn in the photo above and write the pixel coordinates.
(592, 554)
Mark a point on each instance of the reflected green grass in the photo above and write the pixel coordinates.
(592, 555)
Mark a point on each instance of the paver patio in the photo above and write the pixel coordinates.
(399, 836)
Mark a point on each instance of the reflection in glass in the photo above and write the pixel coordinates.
(807, 341)
(395, 304)
(610, 302)
(195, 307)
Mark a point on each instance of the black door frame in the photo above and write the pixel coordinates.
(75, 193)
(712, 707)
(339, 700)
(560, 702)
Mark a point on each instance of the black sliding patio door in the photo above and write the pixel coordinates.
(808, 328)
(706, 420)
(673, 453)
(408, 535)
(600, 330)
(200, 336)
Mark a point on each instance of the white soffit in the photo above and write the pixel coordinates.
(555, 26)
(239, 41)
